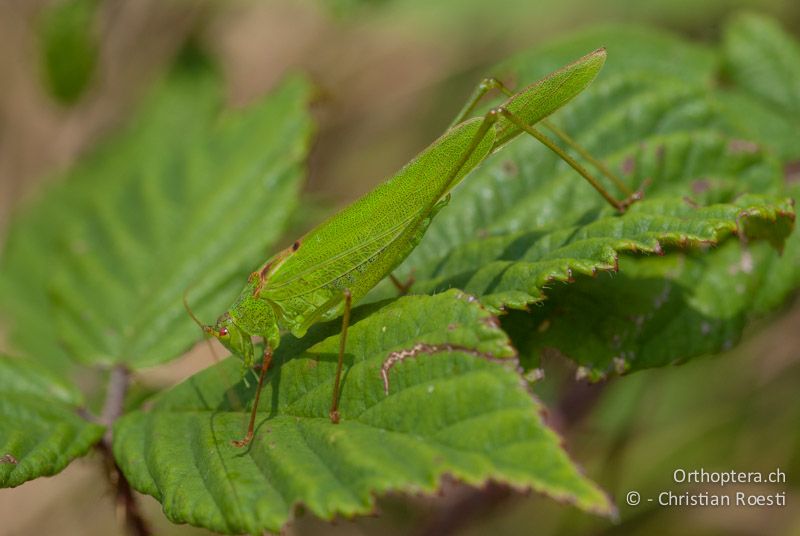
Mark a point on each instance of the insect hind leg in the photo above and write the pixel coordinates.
(480, 91)
(620, 205)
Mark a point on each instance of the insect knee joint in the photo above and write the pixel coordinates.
(490, 82)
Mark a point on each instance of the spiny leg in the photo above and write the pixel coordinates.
(578, 148)
(486, 85)
(574, 164)
(348, 302)
(489, 119)
(251, 427)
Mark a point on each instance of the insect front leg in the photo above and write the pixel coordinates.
(251, 427)
(348, 302)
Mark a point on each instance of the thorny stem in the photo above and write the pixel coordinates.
(126, 507)
(118, 382)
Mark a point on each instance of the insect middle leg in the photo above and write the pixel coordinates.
(348, 302)
(251, 427)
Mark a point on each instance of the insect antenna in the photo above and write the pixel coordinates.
(191, 313)
(233, 399)
(206, 329)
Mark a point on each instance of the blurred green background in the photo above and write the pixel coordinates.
(389, 73)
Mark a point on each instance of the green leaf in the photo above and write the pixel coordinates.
(40, 430)
(754, 119)
(186, 198)
(631, 49)
(34, 251)
(763, 61)
(68, 47)
(513, 270)
(524, 221)
(654, 312)
(450, 412)
(28, 256)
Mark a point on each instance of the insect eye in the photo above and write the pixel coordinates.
(223, 332)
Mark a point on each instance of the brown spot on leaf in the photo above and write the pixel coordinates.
(700, 186)
(742, 146)
(422, 348)
(510, 168)
(661, 153)
(791, 172)
(491, 321)
(691, 202)
(628, 165)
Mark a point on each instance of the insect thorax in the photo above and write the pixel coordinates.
(255, 316)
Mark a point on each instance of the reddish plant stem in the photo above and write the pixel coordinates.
(127, 509)
(576, 402)
(471, 505)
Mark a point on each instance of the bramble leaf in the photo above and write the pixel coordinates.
(696, 258)
(513, 270)
(763, 61)
(633, 49)
(40, 429)
(448, 412)
(177, 202)
(34, 246)
(654, 312)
